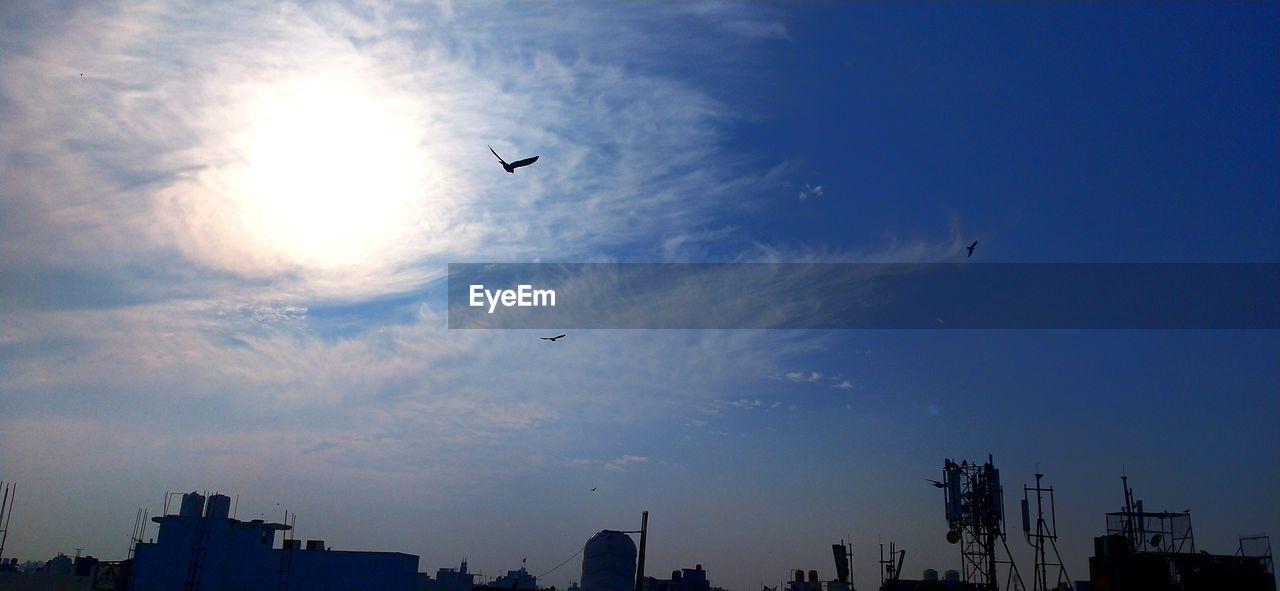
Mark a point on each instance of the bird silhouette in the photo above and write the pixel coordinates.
(514, 165)
(972, 246)
(555, 338)
(936, 483)
(593, 489)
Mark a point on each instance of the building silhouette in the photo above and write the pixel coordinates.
(203, 549)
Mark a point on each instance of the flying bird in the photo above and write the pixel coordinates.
(973, 246)
(555, 338)
(514, 165)
(593, 489)
(936, 483)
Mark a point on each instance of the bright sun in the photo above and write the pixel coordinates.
(329, 171)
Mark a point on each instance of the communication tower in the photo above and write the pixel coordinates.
(975, 516)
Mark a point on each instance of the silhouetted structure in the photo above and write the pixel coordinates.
(609, 562)
(891, 575)
(8, 495)
(514, 579)
(203, 549)
(448, 579)
(1044, 538)
(1156, 551)
(61, 573)
(685, 579)
(975, 517)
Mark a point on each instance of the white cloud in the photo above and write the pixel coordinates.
(844, 385)
(803, 377)
(622, 462)
(331, 152)
(810, 191)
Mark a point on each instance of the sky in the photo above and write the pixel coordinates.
(224, 233)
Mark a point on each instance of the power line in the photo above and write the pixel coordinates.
(563, 563)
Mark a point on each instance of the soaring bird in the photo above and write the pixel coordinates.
(593, 489)
(971, 246)
(555, 338)
(514, 165)
(936, 483)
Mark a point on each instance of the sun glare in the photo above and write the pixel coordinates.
(330, 171)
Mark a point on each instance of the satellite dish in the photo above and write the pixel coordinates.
(1155, 540)
(953, 536)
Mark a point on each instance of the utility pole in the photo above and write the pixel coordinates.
(644, 533)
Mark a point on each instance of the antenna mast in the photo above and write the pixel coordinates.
(1046, 536)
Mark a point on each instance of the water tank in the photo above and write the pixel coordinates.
(609, 562)
(813, 576)
(315, 544)
(930, 575)
(799, 576)
(951, 576)
(192, 505)
(219, 507)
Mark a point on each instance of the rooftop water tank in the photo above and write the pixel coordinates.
(930, 575)
(609, 562)
(951, 576)
(192, 505)
(219, 507)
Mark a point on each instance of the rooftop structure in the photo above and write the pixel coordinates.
(203, 549)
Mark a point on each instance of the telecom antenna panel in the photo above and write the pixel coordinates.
(975, 516)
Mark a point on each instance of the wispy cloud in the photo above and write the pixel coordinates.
(326, 151)
(844, 385)
(803, 377)
(810, 191)
(622, 462)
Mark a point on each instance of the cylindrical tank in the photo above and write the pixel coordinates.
(192, 505)
(930, 575)
(219, 507)
(951, 576)
(813, 576)
(609, 562)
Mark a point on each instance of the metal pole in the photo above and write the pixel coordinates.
(8, 516)
(1041, 567)
(644, 532)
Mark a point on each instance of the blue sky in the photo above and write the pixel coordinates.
(222, 251)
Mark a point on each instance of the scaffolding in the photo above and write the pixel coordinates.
(1151, 532)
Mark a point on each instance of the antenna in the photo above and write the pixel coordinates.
(1046, 536)
(975, 519)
